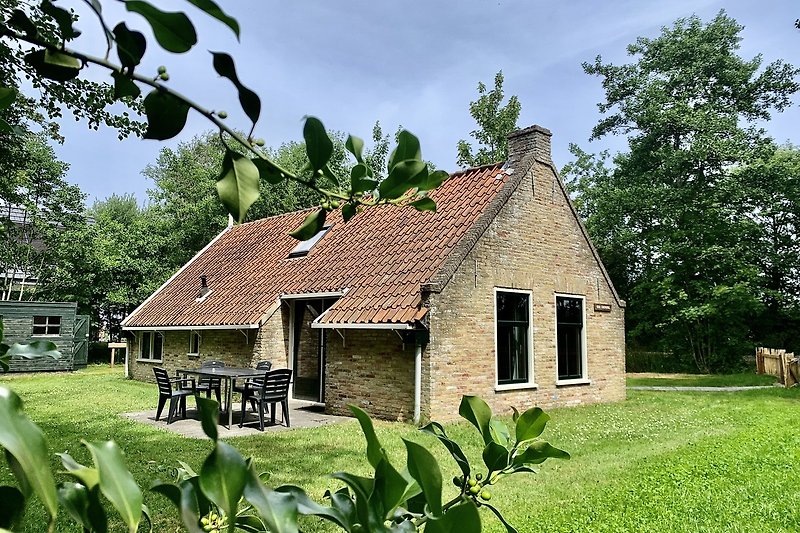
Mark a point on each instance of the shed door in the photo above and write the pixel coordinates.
(80, 341)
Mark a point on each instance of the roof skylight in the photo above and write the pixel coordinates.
(303, 248)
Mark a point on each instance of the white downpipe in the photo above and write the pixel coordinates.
(417, 382)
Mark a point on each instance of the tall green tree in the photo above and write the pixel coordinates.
(690, 107)
(495, 122)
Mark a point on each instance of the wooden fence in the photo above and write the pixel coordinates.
(778, 363)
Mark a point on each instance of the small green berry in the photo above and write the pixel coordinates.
(204, 521)
(486, 495)
(471, 482)
(164, 76)
(222, 114)
(474, 490)
(260, 142)
(479, 476)
(162, 69)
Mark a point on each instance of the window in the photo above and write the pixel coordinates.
(513, 327)
(194, 343)
(570, 338)
(152, 346)
(46, 325)
(303, 248)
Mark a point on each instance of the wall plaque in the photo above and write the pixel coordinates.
(602, 308)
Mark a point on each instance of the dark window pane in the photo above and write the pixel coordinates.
(146, 345)
(40, 320)
(158, 345)
(55, 320)
(569, 316)
(512, 337)
(194, 343)
(40, 330)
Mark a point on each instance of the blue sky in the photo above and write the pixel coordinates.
(415, 64)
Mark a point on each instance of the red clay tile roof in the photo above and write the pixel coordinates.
(380, 258)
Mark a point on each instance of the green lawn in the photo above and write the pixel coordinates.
(700, 380)
(673, 461)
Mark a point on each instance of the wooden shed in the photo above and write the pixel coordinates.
(53, 321)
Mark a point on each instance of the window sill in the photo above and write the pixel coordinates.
(149, 360)
(568, 382)
(515, 386)
(193, 355)
(40, 335)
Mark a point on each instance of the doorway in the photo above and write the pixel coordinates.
(309, 348)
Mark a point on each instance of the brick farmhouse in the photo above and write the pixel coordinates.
(499, 293)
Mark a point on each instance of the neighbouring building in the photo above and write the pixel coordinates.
(499, 293)
(58, 322)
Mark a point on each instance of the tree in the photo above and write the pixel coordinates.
(690, 107)
(495, 124)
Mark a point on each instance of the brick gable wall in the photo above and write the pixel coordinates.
(533, 244)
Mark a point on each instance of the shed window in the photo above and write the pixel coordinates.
(194, 343)
(304, 247)
(152, 346)
(570, 335)
(46, 325)
(512, 311)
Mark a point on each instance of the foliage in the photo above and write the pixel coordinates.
(495, 123)
(228, 493)
(37, 206)
(667, 216)
(408, 178)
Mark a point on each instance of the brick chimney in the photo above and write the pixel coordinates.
(534, 139)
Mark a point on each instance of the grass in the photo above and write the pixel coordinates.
(675, 461)
(744, 379)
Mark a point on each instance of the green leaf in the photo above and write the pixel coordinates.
(499, 432)
(7, 97)
(362, 488)
(83, 505)
(391, 488)
(173, 31)
(215, 11)
(461, 518)
(223, 478)
(237, 186)
(34, 350)
(312, 224)
(53, 65)
(20, 21)
(116, 482)
(63, 19)
(437, 430)
(495, 457)
(537, 453)
(531, 424)
(277, 509)
(478, 413)
(87, 475)
(24, 441)
(319, 146)
(342, 504)
(124, 86)
(407, 148)
(184, 498)
(250, 524)
(400, 179)
(499, 515)
(355, 146)
(432, 180)
(308, 507)
(166, 115)
(13, 507)
(425, 470)
(375, 452)
(131, 45)
(348, 212)
(515, 415)
(250, 102)
(268, 171)
(424, 204)
(209, 416)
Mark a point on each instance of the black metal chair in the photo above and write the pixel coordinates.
(261, 365)
(208, 385)
(272, 389)
(174, 390)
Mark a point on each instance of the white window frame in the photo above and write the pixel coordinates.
(584, 379)
(530, 383)
(47, 325)
(152, 345)
(191, 343)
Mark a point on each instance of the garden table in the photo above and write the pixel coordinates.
(229, 374)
